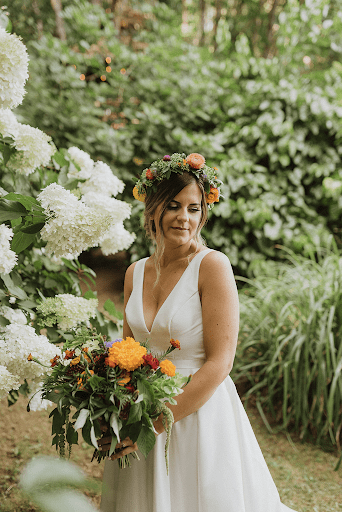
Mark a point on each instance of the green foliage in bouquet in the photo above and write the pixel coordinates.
(118, 388)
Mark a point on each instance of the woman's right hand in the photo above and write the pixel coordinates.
(123, 448)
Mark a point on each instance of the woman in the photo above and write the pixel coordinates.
(187, 292)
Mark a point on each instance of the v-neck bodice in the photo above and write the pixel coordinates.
(179, 316)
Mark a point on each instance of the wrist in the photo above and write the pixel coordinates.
(158, 425)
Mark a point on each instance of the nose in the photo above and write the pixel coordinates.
(183, 215)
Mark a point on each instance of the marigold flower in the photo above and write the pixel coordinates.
(128, 354)
(110, 361)
(69, 354)
(139, 197)
(168, 368)
(75, 361)
(151, 361)
(29, 357)
(125, 380)
(54, 361)
(195, 160)
(175, 343)
(213, 196)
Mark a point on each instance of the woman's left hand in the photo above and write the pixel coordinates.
(123, 448)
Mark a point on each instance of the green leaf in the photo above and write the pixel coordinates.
(22, 241)
(146, 440)
(57, 422)
(26, 201)
(135, 413)
(12, 288)
(33, 228)
(71, 435)
(109, 306)
(146, 390)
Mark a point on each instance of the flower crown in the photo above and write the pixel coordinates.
(178, 163)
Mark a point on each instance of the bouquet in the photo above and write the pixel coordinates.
(114, 386)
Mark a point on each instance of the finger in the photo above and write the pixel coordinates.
(125, 451)
(104, 440)
(124, 444)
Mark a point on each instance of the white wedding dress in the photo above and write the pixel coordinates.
(215, 463)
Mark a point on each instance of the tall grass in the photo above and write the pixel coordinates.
(290, 351)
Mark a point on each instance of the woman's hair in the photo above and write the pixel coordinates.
(166, 192)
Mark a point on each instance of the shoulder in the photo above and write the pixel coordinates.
(214, 262)
(215, 267)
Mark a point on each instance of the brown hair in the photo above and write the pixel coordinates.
(165, 193)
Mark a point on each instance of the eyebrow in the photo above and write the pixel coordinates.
(191, 204)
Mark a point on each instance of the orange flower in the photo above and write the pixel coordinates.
(213, 196)
(125, 380)
(139, 197)
(69, 354)
(76, 360)
(30, 357)
(127, 353)
(168, 368)
(184, 161)
(110, 361)
(175, 343)
(80, 379)
(195, 160)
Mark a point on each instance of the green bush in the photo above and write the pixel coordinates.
(274, 134)
(290, 350)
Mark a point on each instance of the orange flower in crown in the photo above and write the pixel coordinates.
(178, 163)
(195, 160)
(213, 196)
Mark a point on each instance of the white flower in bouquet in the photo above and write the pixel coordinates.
(72, 226)
(83, 160)
(118, 210)
(117, 239)
(34, 148)
(8, 123)
(7, 382)
(15, 316)
(8, 258)
(36, 401)
(13, 69)
(102, 181)
(67, 310)
(17, 342)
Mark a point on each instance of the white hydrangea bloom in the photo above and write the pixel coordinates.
(34, 148)
(7, 382)
(13, 69)
(8, 123)
(15, 316)
(102, 181)
(117, 239)
(36, 401)
(16, 343)
(8, 258)
(72, 226)
(3, 192)
(118, 210)
(84, 161)
(67, 310)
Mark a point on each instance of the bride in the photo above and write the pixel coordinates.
(187, 292)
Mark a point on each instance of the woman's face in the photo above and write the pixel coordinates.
(182, 216)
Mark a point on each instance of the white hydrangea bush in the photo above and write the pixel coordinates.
(117, 239)
(67, 310)
(17, 342)
(8, 258)
(13, 69)
(8, 382)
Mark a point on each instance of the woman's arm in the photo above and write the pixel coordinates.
(220, 312)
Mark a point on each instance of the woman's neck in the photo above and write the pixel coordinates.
(173, 254)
